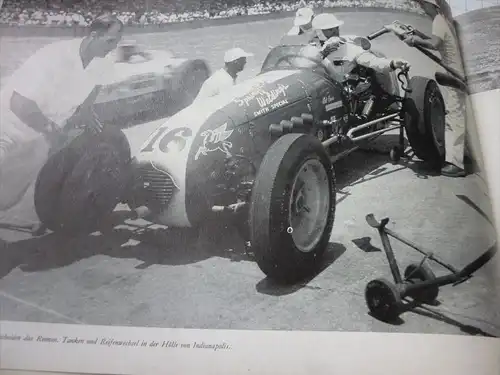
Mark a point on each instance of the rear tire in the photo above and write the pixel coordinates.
(425, 120)
(62, 198)
(285, 249)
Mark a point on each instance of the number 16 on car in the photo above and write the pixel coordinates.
(171, 139)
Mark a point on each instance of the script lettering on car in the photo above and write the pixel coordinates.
(263, 97)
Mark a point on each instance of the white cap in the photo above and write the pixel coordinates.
(235, 54)
(303, 16)
(326, 21)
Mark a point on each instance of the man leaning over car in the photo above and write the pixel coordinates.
(54, 87)
(445, 42)
(328, 40)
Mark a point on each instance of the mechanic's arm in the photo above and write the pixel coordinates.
(29, 112)
(85, 115)
(434, 43)
(439, 30)
(320, 56)
(379, 64)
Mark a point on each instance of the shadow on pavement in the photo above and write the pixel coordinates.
(421, 169)
(419, 309)
(465, 328)
(473, 205)
(364, 243)
(269, 287)
(151, 246)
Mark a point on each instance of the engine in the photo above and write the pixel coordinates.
(359, 90)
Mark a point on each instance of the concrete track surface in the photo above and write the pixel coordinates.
(127, 277)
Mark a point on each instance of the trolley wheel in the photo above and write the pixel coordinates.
(395, 154)
(415, 273)
(383, 299)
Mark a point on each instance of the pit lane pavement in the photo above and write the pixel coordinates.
(126, 278)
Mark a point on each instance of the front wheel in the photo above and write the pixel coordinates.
(425, 120)
(292, 208)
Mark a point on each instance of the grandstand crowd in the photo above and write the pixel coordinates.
(64, 13)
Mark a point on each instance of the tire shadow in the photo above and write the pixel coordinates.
(123, 239)
(365, 164)
(269, 287)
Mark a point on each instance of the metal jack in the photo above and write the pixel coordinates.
(385, 298)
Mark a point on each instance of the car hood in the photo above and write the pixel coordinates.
(241, 102)
(237, 105)
(183, 145)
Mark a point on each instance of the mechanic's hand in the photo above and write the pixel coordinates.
(400, 64)
(410, 40)
(331, 45)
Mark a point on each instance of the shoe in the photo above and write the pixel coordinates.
(451, 170)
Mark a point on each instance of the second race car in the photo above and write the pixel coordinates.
(149, 84)
(262, 152)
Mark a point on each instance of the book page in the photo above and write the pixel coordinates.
(479, 36)
(207, 210)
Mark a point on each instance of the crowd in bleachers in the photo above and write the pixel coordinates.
(157, 12)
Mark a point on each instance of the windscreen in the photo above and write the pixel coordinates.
(292, 57)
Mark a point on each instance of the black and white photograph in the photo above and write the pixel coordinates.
(243, 165)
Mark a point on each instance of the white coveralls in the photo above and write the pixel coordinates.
(295, 30)
(215, 84)
(55, 79)
(352, 55)
(456, 100)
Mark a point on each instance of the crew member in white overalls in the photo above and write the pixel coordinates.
(445, 42)
(333, 47)
(235, 61)
(54, 87)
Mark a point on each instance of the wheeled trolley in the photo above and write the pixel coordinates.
(385, 298)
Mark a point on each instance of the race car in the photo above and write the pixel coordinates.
(262, 152)
(149, 84)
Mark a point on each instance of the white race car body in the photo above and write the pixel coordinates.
(199, 135)
(146, 82)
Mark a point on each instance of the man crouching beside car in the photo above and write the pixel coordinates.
(54, 87)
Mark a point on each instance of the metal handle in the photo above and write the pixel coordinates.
(376, 34)
(405, 86)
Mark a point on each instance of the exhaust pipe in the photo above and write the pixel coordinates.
(375, 133)
(232, 208)
(329, 141)
(370, 123)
